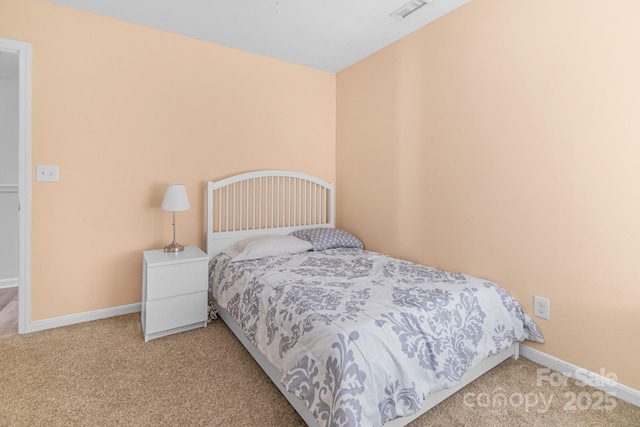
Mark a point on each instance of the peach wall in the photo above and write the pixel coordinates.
(503, 141)
(125, 110)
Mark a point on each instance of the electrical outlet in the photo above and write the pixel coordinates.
(541, 307)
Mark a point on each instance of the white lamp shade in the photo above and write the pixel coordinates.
(175, 199)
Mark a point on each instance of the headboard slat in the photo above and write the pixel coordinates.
(265, 202)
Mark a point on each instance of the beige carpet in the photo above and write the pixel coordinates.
(102, 373)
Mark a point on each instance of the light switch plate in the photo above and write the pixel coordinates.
(47, 173)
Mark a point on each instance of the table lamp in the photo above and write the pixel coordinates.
(175, 199)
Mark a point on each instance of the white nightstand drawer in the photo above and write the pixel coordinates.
(171, 280)
(169, 313)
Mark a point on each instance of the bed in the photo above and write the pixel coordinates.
(349, 336)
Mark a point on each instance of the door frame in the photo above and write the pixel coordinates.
(23, 49)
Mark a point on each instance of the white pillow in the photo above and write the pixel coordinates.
(266, 246)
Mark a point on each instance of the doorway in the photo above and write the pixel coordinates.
(15, 174)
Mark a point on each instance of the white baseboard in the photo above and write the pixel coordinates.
(593, 379)
(56, 322)
(9, 283)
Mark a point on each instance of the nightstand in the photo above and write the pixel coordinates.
(174, 291)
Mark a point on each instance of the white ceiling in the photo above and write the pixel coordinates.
(328, 35)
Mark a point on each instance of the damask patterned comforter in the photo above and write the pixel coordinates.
(362, 338)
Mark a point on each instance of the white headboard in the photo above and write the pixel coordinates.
(263, 203)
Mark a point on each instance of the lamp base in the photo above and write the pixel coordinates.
(174, 247)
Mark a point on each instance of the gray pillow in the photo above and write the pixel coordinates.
(328, 238)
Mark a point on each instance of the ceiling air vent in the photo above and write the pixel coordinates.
(409, 8)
